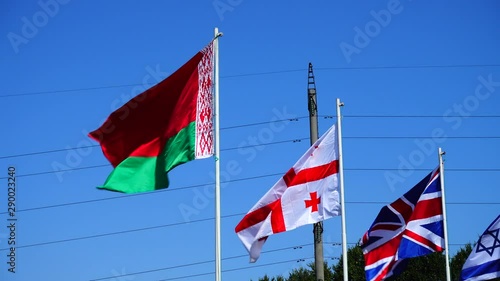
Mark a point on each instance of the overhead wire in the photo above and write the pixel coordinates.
(168, 225)
(239, 126)
(239, 180)
(235, 269)
(196, 263)
(229, 258)
(261, 74)
(267, 143)
(97, 145)
(142, 194)
(346, 169)
(114, 233)
(236, 76)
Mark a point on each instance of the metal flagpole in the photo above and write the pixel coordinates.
(341, 184)
(445, 228)
(217, 159)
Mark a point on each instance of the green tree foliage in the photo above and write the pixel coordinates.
(302, 274)
(355, 265)
(425, 268)
(458, 261)
(299, 274)
(266, 278)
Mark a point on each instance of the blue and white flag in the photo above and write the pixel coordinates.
(483, 262)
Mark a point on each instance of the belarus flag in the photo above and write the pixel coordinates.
(306, 194)
(167, 125)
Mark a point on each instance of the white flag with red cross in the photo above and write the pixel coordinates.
(306, 194)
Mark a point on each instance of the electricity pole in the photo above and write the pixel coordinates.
(313, 124)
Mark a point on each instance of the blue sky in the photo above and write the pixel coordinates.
(413, 75)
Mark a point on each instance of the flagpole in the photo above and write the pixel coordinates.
(443, 199)
(217, 158)
(341, 184)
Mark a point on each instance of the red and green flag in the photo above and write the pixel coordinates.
(161, 128)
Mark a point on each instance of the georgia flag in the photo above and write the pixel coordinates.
(306, 194)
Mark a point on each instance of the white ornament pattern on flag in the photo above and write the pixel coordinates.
(204, 143)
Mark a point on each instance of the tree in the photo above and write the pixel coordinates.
(308, 274)
(302, 274)
(355, 265)
(266, 278)
(458, 260)
(305, 274)
(425, 268)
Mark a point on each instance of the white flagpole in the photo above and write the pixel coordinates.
(217, 158)
(445, 228)
(341, 184)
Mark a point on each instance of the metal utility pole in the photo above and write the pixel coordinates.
(313, 124)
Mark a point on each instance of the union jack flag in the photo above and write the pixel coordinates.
(411, 226)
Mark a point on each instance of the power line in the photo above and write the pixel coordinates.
(207, 184)
(229, 258)
(300, 139)
(269, 143)
(447, 203)
(254, 266)
(117, 232)
(225, 128)
(409, 66)
(259, 74)
(142, 194)
(423, 169)
(408, 116)
(69, 90)
(263, 123)
(196, 263)
(347, 169)
(164, 226)
(59, 171)
(417, 137)
(235, 269)
(96, 145)
(45, 152)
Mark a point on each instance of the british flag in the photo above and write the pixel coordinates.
(411, 226)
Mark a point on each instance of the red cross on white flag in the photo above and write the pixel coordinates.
(306, 194)
(314, 202)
